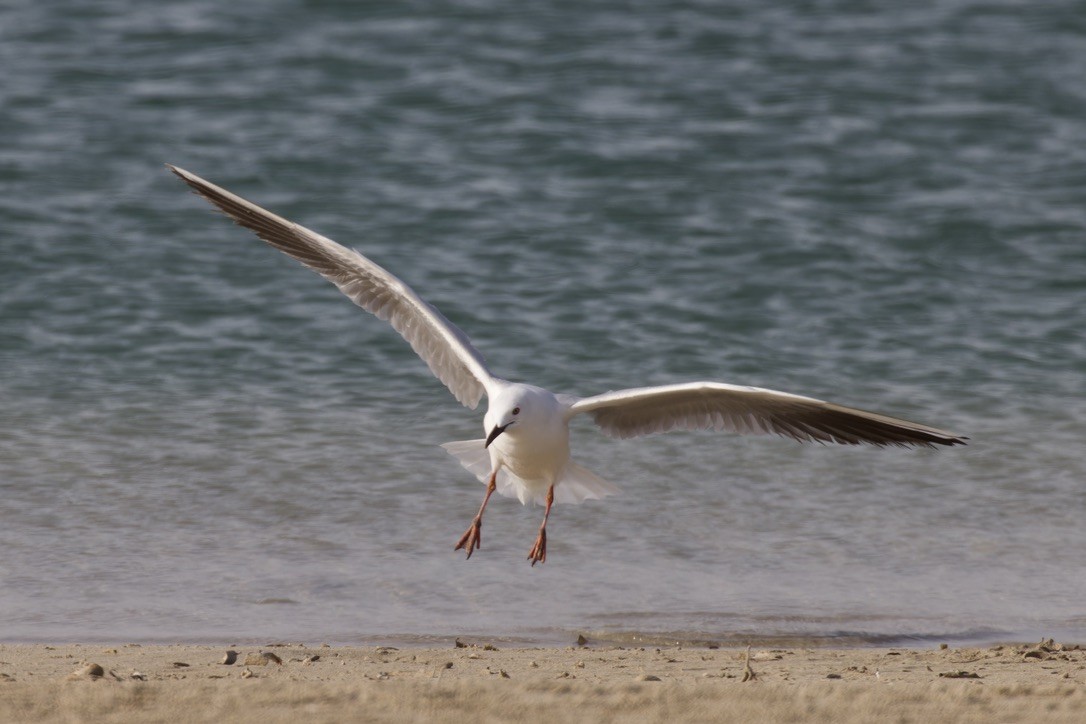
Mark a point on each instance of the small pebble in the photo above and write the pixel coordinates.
(648, 677)
(246, 674)
(581, 640)
(230, 658)
(961, 675)
(269, 656)
(180, 665)
(92, 670)
(255, 660)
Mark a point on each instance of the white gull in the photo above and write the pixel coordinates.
(525, 453)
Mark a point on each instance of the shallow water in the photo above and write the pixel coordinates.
(877, 205)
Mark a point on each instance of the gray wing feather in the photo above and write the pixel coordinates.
(749, 410)
(446, 350)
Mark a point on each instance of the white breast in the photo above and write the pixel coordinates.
(536, 448)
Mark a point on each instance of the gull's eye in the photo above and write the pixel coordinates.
(516, 410)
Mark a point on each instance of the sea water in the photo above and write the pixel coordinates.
(879, 204)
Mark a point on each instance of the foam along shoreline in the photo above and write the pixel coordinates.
(280, 682)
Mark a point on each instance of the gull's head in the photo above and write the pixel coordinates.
(517, 408)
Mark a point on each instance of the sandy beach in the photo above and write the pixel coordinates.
(478, 681)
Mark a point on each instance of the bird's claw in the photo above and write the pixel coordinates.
(472, 538)
(538, 554)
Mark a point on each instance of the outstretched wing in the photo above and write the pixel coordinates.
(749, 410)
(440, 344)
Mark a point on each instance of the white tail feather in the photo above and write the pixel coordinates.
(579, 484)
(472, 455)
(576, 484)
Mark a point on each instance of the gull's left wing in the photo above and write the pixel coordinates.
(440, 343)
(749, 410)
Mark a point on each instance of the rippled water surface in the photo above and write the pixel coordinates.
(881, 204)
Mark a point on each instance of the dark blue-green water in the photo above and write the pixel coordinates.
(878, 203)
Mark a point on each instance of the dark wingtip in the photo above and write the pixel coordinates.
(948, 441)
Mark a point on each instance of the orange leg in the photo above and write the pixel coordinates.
(538, 553)
(473, 538)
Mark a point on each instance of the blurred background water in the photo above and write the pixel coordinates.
(877, 203)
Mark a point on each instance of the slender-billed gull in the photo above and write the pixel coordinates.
(525, 451)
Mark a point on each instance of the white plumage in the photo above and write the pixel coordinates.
(526, 452)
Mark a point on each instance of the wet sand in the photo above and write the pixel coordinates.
(482, 683)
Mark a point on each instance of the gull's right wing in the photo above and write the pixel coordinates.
(447, 350)
(749, 410)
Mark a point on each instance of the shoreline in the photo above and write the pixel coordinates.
(490, 681)
(559, 638)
